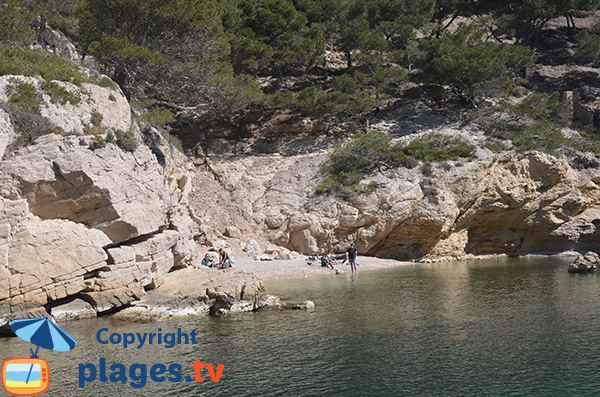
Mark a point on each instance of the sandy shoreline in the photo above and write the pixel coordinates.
(298, 268)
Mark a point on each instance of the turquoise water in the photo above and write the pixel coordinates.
(514, 327)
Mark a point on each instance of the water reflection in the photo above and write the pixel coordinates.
(522, 327)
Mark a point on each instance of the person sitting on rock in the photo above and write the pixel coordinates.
(223, 259)
(208, 261)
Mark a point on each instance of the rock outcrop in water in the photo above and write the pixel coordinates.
(196, 291)
(585, 263)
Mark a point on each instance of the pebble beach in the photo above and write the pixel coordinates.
(299, 268)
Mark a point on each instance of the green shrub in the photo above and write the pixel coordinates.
(174, 142)
(25, 95)
(23, 109)
(581, 161)
(535, 123)
(110, 137)
(31, 62)
(158, 116)
(355, 91)
(59, 94)
(495, 145)
(367, 151)
(96, 118)
(29, 124)
(97, 142)
(374, 151)
(315, 99)
(388, 81)
(107, 83)
(126, 141)
(427, 169)
(588, 44)
(437, 147)
(466, 61)
(345, 183)
(540, 106)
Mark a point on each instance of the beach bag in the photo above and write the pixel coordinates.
(231, 260)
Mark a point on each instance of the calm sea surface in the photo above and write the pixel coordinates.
(512, 327)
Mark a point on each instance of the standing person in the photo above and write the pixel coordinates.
(223, 259)
(352, 257)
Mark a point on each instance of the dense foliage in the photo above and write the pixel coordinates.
(374, 151)
(534, 123)
(464, 60)
(171, 51)
(343, 57)
(205, 55)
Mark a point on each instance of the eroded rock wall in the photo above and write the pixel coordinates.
(103, 226)
(508, 203)
(84, 230)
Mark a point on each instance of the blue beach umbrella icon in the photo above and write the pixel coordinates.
(42, 333)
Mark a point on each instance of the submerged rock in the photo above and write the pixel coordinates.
(306, 305)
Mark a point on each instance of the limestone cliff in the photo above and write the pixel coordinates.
(509, 203)
(86, 232)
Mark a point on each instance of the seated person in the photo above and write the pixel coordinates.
(208, 261)
(223, 259)
(325, 261)
(332, 258)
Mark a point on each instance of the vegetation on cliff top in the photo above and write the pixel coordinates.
(373, 151)
(207, 57)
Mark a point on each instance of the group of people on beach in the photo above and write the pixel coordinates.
(329, 259)
(225, 260)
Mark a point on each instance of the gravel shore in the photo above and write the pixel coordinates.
(298, 268)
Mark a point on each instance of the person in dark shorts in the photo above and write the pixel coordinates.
(223, 259)
(352, 257)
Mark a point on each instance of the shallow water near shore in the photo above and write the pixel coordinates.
(505, 327)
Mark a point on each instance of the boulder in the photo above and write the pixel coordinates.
(306, 305)
(252, 247)
(74, 310)
(194, 291)
(233, 232)
(122, 194)
(585, 263)
(273, 303)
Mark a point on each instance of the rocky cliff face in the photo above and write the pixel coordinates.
(100, 225)
(85, 232)
(506, 203)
